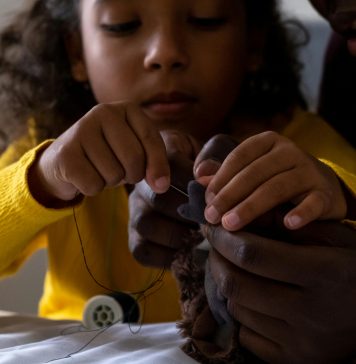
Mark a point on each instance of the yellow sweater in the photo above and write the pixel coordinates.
(102, 221)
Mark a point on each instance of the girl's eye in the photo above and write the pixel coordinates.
(207, 23)
(122, 29)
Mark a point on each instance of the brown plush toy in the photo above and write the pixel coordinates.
(212, 333)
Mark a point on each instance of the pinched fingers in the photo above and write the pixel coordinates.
(157, 172)
(124, 146)
(111, 144)
(120, 141)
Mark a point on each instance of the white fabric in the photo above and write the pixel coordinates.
(32, 340)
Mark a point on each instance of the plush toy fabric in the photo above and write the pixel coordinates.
(212, 333)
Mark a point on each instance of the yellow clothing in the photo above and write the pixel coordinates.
(102, 223)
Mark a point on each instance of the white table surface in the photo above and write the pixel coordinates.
(33, 340)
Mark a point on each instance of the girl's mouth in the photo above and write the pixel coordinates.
(169, 105)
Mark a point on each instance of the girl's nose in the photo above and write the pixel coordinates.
(166, 52)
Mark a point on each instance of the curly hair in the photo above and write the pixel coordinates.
(35, 73)
(36, 80)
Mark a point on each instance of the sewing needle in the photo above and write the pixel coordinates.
(179, 190)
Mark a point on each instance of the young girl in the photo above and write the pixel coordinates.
(85, 89)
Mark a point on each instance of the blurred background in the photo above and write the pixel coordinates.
(21, 292)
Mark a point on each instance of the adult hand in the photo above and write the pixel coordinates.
(156, 230)
(295, 302)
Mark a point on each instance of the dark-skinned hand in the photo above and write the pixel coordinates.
(293, 292)
(156, 229)
(295, 302)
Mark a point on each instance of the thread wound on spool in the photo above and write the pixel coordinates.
(104, 310)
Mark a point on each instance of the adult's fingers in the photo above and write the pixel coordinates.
(161, 229)
(266, 296)
(300, 265)
(262, 347)
(166, 203)
(149, 253)
(266, 326)
(327, 233)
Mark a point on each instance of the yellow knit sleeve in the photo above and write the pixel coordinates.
(318, 138)
(22, 218)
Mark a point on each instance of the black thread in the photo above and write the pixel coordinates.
(141, 295)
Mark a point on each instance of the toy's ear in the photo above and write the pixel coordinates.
(255, 49)
(74, 48)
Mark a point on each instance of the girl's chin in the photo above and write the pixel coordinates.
(351, 45)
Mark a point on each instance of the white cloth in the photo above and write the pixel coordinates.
(33, 340)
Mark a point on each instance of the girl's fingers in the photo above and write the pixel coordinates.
(242, 156)
(313, 206)
(230, 186)
(81, 174)
(279, 189)
(180, 143)
(121, 141)
(157, 167)
(103, 158)
(213, 153)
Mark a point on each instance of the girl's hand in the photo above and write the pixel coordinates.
(264, 171)
(110, 145)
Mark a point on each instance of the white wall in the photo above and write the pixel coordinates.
(21, 292)
(311, 55)
(7, 6)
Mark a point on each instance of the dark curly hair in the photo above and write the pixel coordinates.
(36, 80)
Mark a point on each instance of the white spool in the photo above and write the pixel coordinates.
(102, 311)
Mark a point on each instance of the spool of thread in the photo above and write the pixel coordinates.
(105, 310)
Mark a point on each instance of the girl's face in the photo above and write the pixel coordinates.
(342, 16)
(181, 61)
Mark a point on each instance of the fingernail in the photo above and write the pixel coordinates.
(231, 221)
(209, 197)
(162, 183)
(212, 215)
(207, 167)
(294, 221)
